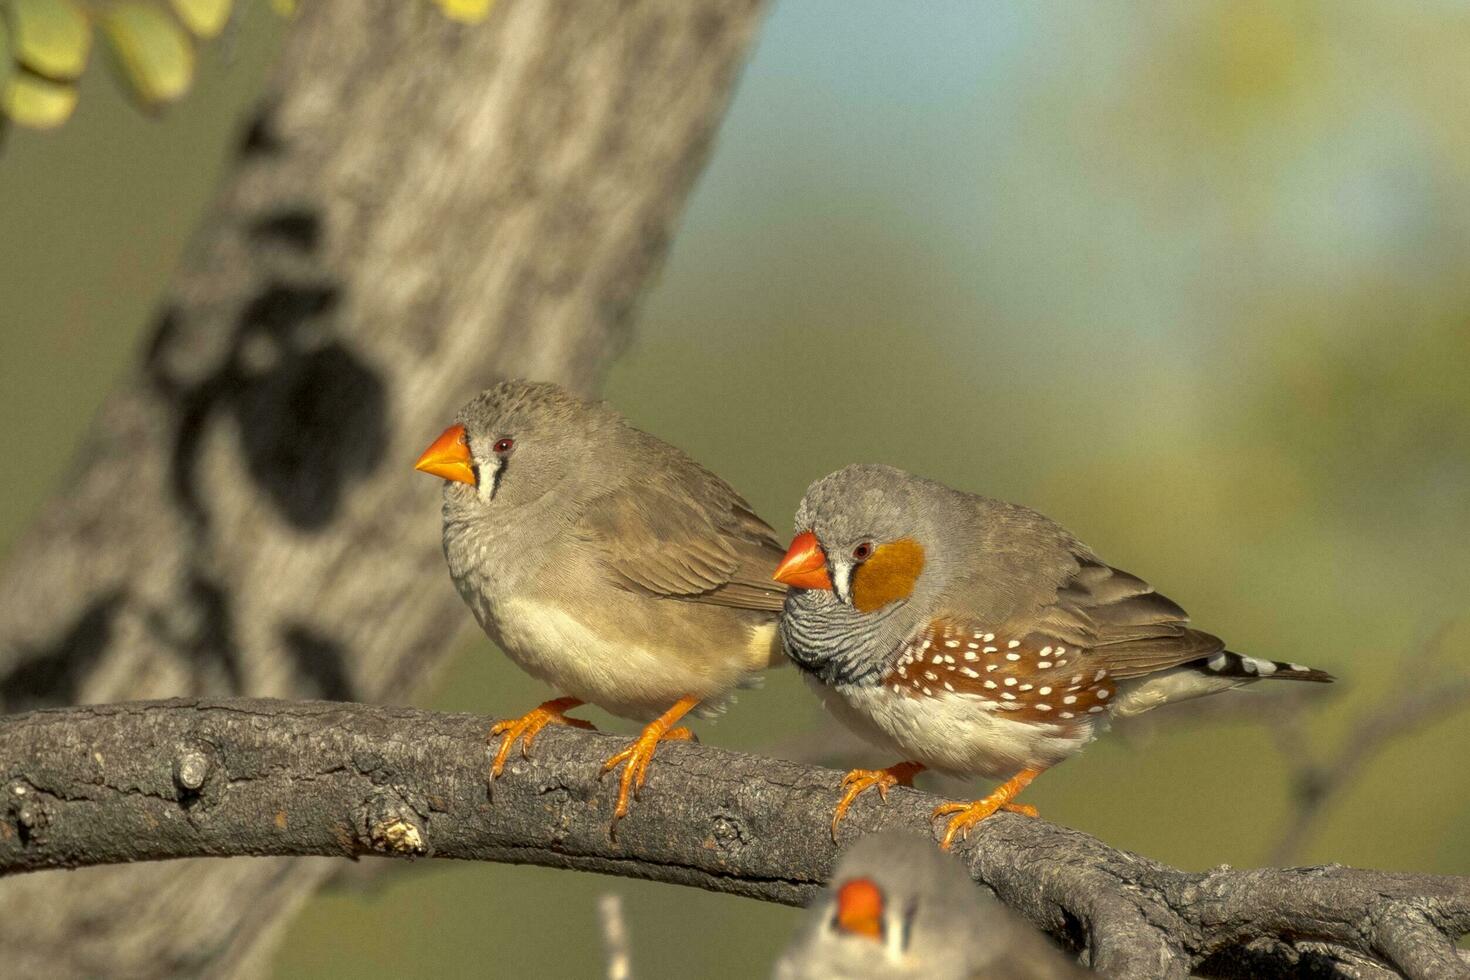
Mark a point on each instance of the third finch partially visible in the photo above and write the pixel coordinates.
(976, 637)
(604, 562)
(897, 909)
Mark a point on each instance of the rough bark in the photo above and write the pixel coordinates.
(418, 209)
(148, 781)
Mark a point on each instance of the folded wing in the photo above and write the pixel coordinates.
(686, 534)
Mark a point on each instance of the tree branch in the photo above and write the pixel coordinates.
(148, 781)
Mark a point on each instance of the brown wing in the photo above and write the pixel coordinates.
(686, 534)
(1062, 663)
(1125, 626)
(1031, 577)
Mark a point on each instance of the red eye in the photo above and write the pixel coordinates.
(504, 445)
(862, 551)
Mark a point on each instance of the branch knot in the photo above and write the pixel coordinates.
(392, 826)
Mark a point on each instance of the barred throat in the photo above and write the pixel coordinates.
(834, 642)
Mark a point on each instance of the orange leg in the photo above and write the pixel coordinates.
(967, 815)
(859, 781)
(525, 729)
(639, 755)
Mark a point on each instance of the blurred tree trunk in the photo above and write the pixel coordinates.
(418, 208)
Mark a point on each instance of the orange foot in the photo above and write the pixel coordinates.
(525, 729)
(639, 755)
(859, 781)
(967, 815)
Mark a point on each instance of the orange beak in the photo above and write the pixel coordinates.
(449, 457)
(805, 564)
(860, 908)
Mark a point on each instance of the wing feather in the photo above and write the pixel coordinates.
(681, 532)
(1130, 629)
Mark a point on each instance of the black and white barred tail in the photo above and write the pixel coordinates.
(1199, 678)
(1227, 664)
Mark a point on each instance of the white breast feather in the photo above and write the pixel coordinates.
(959, 734)
(632, 680)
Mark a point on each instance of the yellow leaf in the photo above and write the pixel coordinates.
(38, 102)
(52, 37)
(204, 18)
(286, 8)
(154, 51)
(466, 11)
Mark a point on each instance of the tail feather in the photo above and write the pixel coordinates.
(1228, 664)
(1208, 675)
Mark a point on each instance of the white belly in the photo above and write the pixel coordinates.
(954, 733)
(633, 680)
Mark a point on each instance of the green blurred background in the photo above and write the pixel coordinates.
(1191, 280)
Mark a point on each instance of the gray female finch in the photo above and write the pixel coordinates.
(897, 909)
(976, 637)
(604, 562)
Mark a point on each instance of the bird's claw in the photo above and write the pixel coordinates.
(859, 781)
(525, 729)
(635, 760)
(967, 815)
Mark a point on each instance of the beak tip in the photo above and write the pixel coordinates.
(805, 564)
(448, 457)
(860, 908)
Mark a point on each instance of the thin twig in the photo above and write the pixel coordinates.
(1441, 688)
(615, 937)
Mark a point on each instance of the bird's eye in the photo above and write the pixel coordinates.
(862, 551)
(504, 445)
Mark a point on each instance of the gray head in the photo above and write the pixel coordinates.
(868, 562)
(517, 441)
(518, 466)
(896, 907)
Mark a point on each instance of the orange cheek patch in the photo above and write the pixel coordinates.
(889, 574)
